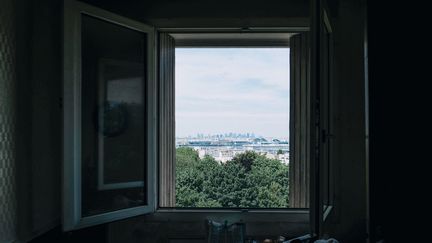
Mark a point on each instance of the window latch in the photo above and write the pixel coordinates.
(326, 136)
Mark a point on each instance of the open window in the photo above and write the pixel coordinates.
(119, 122)
(109, 112)
(119, 116)
(240, 86)
(326, 118)
(322, 155)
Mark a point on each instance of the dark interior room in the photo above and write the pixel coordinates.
(100, 136)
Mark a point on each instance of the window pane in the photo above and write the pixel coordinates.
(113, 117)
(232, 127)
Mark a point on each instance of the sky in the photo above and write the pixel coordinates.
(240, 90)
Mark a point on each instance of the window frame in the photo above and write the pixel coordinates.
(290, 214)
(72, 218)
(300, 113)
(320, 212)
(71, 171)
(326, 110)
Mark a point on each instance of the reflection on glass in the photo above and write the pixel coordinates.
(120, 146)
(113, 117)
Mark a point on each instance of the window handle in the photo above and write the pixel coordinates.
(326, 136)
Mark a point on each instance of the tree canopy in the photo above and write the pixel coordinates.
(249, 180)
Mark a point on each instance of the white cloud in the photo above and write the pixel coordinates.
(241, 85)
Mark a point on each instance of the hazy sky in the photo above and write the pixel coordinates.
(241, 90)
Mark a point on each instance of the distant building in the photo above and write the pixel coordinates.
(224, 147)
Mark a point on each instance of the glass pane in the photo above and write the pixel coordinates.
(113, 117)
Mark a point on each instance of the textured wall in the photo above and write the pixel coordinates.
(8, 217)
(46, 115)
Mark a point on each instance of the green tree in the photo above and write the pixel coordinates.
(248, 180)
(245, 159)
(186, 156)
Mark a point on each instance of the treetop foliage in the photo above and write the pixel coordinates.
(249, 180)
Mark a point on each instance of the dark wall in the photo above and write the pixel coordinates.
(347, 221)
(39, 116)
(225, 13)
(399, 121)
(23, 126)
(8, 106)
(46, 111)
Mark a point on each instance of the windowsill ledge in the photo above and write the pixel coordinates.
(233, 215)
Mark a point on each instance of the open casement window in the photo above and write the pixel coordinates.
(109, 117)
(311, 124)
(119, 122)
(322, 160)
(326, 118)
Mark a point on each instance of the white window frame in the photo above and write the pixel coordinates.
(72, 217)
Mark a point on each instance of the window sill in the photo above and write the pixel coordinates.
(175, 223)
(234, 215)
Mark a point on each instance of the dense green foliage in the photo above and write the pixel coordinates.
(249, 180)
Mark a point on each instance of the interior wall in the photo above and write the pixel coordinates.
(223, 13)
(399, 97)
(347, 222)
(39, 116)
(46, 75)
(8, 185)
(191, 227)
(23, 126)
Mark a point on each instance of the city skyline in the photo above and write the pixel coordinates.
(228, 135)
(247, 92)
